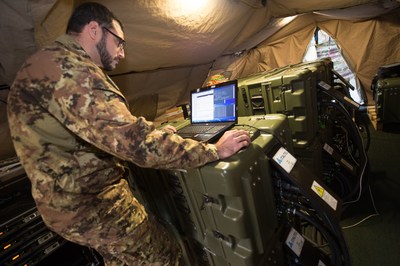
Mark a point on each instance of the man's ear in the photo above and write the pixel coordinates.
(94, 30)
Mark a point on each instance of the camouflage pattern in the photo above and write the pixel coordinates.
(72, 130)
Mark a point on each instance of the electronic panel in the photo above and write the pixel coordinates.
(387, 100)
(24, 237)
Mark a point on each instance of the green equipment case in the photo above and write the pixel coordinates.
(227, 207)
(276, 125)
(224, 212)
(291, 90)
(230, 212)
(230, 207)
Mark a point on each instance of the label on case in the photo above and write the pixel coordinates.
(285, 159)
(323, 194)
(351, 101)
(295, 241)
(328, 148)
(324, 85)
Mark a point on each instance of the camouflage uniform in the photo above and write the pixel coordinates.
(72, 131)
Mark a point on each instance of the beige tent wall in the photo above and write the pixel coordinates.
(292, 7)
(50, 19)
(15, 45)
(151, 93)
(285, 47)
(365, 45)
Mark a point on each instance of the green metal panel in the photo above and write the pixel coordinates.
(321, 67)
(237, 205)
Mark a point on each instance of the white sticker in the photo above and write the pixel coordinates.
(351, 101)
(285, 159)
(320, 263)
(295, 241)
(328, 198)
(324, 85)
(347, 164)
(328, 148)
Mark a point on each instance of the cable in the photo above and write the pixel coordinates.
(4, 87)
(334, 244)
(324, 224)
(369, 216)
(339, 107)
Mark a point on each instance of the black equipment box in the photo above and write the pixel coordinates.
(387, 98)
(24, 238)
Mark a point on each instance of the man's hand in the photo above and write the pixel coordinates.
(170, 129)
(231, 142)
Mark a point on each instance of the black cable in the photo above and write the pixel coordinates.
(336, 244)
(316, 216)
(357, 112)
(338, 106)
(338, 249)
(333, 235)
(4, 87)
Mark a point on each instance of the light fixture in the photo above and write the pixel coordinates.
(187, 8)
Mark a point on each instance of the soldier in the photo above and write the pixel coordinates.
(73, 131)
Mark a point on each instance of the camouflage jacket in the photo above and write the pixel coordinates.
(72, 130)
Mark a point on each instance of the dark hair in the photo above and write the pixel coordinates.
(88, 12)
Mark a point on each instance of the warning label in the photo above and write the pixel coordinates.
(322, 193)
(319, 190)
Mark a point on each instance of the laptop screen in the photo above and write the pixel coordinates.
(216, 103)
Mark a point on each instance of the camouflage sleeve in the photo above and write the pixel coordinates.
(90, 106)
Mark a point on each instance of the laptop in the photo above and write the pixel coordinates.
(213, 110)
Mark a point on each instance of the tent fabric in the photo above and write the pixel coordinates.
(373, 43)
(171, 86)
(365, 45)
(173, 49)
(293, 7)
(268, 55)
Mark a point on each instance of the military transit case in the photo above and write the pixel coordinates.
(291, 90)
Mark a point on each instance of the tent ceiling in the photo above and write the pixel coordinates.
(160, 34)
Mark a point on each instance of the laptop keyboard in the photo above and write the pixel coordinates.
(201, 129)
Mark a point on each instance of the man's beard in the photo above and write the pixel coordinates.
(105, 57)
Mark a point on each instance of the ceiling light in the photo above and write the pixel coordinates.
(187, 7)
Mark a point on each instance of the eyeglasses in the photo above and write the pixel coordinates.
(121, 42)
